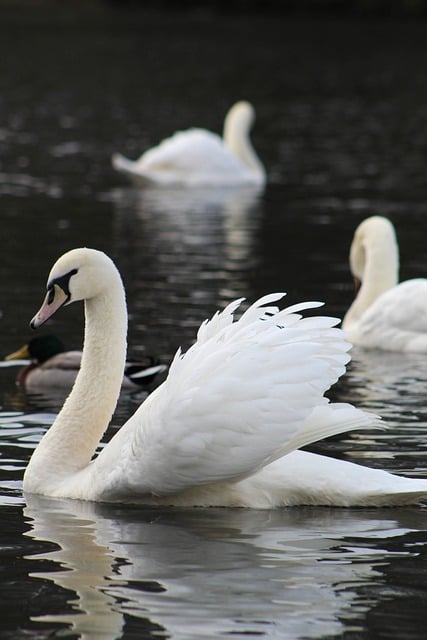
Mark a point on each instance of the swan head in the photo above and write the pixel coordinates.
(371, 236)
(79, 274)
(242, 114)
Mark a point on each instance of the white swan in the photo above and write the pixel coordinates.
(223, 428)
(197, 157)
(384, 315)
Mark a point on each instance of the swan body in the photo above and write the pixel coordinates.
(211, 434)
(198, 157)
(52, 366)
(385, 314)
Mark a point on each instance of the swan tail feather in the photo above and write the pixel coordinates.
(307, 478)
(121, 163)
(131, 169)
(331, 420)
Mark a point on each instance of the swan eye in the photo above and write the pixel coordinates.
(63, 282)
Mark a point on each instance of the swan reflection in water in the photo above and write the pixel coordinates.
(382, 378)
(392, 385)
(190, 574)
(201, 242)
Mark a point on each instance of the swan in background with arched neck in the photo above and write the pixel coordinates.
(224, 428)
(384, 315)
(197, 157)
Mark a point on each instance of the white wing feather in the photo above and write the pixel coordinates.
(244, 394)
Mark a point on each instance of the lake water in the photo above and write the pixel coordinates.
(342, 130)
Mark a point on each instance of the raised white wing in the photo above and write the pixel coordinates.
(244, 394)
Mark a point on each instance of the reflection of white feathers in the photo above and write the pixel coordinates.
(385, 315)
(223, 428)
(210, 236)
(198, 157)
(122, 564)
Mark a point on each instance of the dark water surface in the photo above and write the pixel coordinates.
(342, 129)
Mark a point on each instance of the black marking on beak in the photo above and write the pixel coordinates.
(51, 296)
(63, 282)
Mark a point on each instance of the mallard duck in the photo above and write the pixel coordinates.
(224, 428)
(197, 157)
(384, 315)
(52, 366)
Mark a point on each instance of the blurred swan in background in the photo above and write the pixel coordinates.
(198, 157)
(384, 315)
(52, 366)
(225, 426)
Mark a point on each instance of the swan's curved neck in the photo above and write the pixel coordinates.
(236, 139)
(380, 273)
(71, 441)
